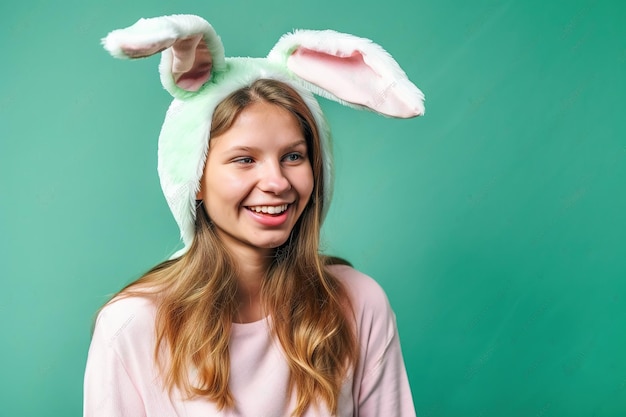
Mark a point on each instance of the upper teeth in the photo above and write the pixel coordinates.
(269, 209)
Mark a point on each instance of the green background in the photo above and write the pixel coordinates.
(495, 223)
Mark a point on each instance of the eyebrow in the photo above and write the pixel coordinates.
(252, 148)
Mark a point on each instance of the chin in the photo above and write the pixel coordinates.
(275, 244)
(275, 241)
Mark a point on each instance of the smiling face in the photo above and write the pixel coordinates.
(257, 179)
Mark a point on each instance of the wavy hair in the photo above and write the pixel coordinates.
(196, 293)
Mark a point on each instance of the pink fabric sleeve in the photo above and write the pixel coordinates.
(108, 388)
(381, 386)
(385, 386)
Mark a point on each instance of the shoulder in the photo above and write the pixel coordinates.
(358, 284)
(131, 317)
(374, 318)
(366, 295)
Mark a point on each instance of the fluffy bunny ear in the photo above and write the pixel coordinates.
(192, 51)
(351, 70)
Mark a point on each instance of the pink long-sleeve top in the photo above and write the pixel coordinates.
(122, 380)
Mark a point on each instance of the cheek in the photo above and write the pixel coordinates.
(225, 191)
(305, 181)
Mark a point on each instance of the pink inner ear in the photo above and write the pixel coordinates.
(145, 50)
(347, 77)
(191, 63)
(351, 79)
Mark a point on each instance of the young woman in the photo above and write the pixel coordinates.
(249, 319)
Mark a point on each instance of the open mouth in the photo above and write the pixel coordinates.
(269, 210)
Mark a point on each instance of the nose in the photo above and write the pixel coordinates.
(272, 178)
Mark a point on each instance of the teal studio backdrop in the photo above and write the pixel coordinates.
(496, 223)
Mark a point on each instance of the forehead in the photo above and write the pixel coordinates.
(261, 124)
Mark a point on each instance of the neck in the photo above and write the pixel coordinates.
(252, 266)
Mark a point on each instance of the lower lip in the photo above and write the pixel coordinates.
(271, 220)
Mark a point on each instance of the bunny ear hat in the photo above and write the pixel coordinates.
(350, 70)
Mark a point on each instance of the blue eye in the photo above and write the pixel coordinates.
(293, 157)
(245, 160)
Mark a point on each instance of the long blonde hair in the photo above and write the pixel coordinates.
(196, 293)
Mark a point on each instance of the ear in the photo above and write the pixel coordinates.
(192, 51)
(351, 70)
